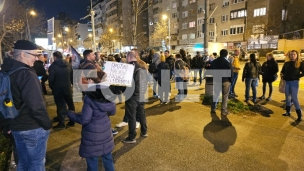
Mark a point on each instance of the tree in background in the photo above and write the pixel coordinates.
(161, 31)
(13, 23)
(106, 39)
(138, 7)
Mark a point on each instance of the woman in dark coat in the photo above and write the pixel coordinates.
(96, 135)
(270, 69)
(163, 75)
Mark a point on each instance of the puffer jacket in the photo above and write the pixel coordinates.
(249, 72)
(96, 133)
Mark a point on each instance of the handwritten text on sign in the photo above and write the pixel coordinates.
(119, 73)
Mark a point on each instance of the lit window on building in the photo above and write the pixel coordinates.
(259, 12)
(191, 24)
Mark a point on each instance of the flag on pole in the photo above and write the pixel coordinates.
(75, 58)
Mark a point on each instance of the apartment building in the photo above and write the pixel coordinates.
(187, 23)
(157, 10)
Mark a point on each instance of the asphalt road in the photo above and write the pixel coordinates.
(185, 137)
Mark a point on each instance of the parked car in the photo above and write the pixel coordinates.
(301, 53)
(257, 55)
(279, 55)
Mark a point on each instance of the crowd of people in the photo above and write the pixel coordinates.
(33, 123)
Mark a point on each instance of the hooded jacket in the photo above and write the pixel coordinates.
(60, 77)
(27, 97)
(96, 133)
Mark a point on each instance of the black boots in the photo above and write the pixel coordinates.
(299, 113)
(287, 108)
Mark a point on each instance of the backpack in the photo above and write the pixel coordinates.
(185, 74)
(7, 108)
(152, 68)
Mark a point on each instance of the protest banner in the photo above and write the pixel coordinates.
(119, 73)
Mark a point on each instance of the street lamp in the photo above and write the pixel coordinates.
(33, 13)
(169, 37)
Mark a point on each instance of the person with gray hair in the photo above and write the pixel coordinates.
(31, 128)
(135, 105)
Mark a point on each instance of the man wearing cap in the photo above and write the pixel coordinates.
(31, 127)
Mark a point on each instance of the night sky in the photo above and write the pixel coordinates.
(76, 9)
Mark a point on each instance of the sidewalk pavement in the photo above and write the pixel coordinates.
(184, 136)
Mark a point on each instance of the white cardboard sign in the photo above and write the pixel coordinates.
(119, 73)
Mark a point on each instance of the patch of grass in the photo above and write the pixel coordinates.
(5, 152)
(234, 105)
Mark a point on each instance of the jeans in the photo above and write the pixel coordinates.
(225, 93)
(107, 161)
(182, 87)
(61, 101)
(31, 149)
(155, 83)
(200, 75)
(163, 92)
(234, 79)
(250, 82)
(291, 93)
(134, 107)
(270, 88)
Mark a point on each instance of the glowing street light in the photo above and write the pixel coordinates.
(165, 17)
(33, 13)
(111, 30)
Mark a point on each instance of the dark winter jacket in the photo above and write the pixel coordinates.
(40, 70)
(163, 73)
(221, 63)
(251, 71)
(96, 133)
(270, 69)
(60, 77)
(186, 59)
(290, 73)
(170, 61)
(139, 86)
(27, 97)
(197, 62)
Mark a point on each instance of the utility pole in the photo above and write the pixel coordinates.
(93, 27)
(205, 27)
